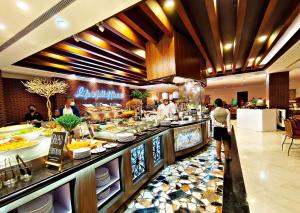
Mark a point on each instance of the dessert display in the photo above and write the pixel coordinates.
(42, 204)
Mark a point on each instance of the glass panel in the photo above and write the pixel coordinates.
(157, 150)
(138, 161)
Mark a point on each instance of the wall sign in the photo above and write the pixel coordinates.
(85, 93)
(56, 149)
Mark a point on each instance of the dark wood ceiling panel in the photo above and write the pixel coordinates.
(227, 19)
(121, 29)
(65, 55)
(154, 11)
(240, 22)
(265, 29)
(118, 42)
(289, 9)
(214, 26)
(190, 28)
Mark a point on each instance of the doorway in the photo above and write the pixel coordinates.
(242, 97)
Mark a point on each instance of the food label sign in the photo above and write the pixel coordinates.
(58, 140)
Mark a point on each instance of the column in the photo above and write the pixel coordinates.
(2, 103)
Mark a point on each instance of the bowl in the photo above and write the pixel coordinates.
(31, 136)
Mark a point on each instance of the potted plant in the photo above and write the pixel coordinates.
(69, 122)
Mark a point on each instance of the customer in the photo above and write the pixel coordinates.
(222, 128)
(69, 107)
(33, 116)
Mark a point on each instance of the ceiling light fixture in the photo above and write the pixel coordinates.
(257, 59)
(262, 38)
(169, 3)
(76, 37)
(100, 26)
(2, 27)
(228, 67)
(209, 70)
(22, 5)
(228, 46)
(251, 60)
(61, 23)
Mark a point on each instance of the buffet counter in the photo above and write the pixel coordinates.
(257, 119)
(76, 188)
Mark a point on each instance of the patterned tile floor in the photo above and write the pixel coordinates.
(194, 184)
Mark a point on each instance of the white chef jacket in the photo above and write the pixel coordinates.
(172, 107)
(164, 110)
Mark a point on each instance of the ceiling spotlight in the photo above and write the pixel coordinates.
(228, 67)
(169, 3)
(93, 80)
(251, 60)
(22, 5)
(100, 26)
(228, 46)
(61, 23)
(2, 26)
(76, 37)
(262, 38)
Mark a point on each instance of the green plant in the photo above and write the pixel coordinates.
(69, 122)
(138, 94)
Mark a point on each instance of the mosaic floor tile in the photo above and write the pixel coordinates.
(194, 184)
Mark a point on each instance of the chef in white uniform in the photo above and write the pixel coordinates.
(164, 109)
(173, 105)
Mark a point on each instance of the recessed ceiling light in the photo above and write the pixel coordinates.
(228, 46)
(61, 23)
(228, 67)
(262, 38)
(93, 80)
(209, 70)
(22, 5)
(2, 27)
(169, 3)
(100, 26)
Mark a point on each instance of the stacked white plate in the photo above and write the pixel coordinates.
(43, 204)
(104, 194)
(165, 123)
(125, 137)
(102, 176)
(81, 153)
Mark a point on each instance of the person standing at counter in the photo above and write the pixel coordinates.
(164, 108)
(173, 102)
(222, 128)
(69, 107)
(33, 116)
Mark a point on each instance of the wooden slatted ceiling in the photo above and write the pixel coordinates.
(118, 52)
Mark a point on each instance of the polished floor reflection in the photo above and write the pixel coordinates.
(271, 177)
(194, 184)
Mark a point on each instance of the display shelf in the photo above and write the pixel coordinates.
(114, 189)
(111, 182)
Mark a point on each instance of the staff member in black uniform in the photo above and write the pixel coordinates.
(33, 116)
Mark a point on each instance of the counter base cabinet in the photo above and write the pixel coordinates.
(57, 200)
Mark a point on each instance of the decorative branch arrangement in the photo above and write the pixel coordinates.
(46, 88)
(139, 95)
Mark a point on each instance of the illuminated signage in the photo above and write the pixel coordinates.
(84, 93)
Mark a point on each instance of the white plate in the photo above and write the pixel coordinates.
(127, 139)
(124, 135)
(98, 150)
(110, 145)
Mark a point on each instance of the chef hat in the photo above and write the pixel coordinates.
(165, 96)
(175, 95)
(170, 97)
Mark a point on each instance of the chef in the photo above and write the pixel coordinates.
(173, 102)
(164, 108)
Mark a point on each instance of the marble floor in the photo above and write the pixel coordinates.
(271, 176)
(194, 184)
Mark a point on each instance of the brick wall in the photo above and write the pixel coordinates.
(17, 99)
(2, 103)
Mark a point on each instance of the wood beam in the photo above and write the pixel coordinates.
(124, 31)
(140, 29)
(44, 55)
(190, 28)
(273, 40)
(214, 26)
(263, 30)
(154, 11)
(240, 22)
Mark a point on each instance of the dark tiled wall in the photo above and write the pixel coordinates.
(2, 104)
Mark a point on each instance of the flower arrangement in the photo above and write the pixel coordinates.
(134, 104)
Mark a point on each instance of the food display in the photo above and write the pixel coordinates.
(100, 112)
(15, 145)
(14, 128)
